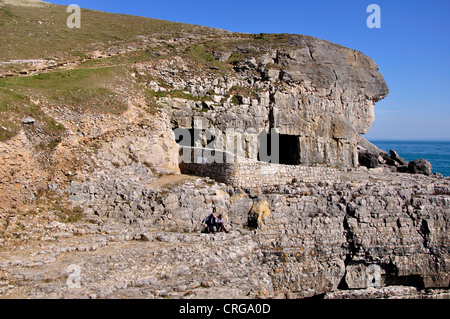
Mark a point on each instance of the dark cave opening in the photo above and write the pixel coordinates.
(410, 280)
(278, 148)
(289, 149)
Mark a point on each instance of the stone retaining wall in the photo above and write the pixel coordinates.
(242, 172)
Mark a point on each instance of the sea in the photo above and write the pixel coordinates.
(437, 153)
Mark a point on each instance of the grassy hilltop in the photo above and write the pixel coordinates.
(40, 32)
(72, 74)
(35, 30)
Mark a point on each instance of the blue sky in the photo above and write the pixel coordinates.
(412, 47)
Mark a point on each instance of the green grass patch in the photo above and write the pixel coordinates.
(59, 205)
(242, 91)
(241, 55)
(152, 98)
(5, 13)
(78, 89)
(79, 54)
(42, 32)
(70, 215)
(82, 89)
(200, 54)
(122, 59)
(14, 107)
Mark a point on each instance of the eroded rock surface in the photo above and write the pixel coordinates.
(317, 95)
(319, 239)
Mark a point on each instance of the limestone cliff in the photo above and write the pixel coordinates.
(90, 170)
(317, 95)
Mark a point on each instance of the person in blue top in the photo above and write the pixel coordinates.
(210, 222)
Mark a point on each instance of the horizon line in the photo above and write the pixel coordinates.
(406, 140)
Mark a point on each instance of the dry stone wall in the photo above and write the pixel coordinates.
(246, 173)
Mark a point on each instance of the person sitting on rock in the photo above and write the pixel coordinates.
(210, 223)
(221, 224)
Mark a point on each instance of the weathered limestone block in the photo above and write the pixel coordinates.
(420, 166)
(259, 212)
(359, 276)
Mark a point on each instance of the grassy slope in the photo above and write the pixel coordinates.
(42, 33)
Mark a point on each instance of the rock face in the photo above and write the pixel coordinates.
(397, 158)
(367, 159)
(316, 96)
(259, 213)
(420, 166)
(384, 234)
(371, 156)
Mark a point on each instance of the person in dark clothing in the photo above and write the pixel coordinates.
(221, 224)
(210, 223)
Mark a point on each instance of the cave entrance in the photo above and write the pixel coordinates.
(289, 149)
(279, 148)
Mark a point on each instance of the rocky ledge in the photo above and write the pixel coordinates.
(370, 156)
(375, 234)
